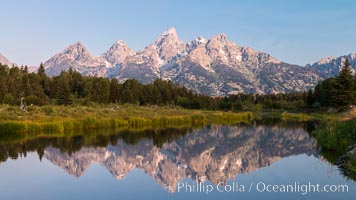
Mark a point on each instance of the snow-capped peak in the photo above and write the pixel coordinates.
(195, 43)
(76, 51)
(220, 37)
(76, 56)
(200, 40)
(169, 45)
(118, 52)
(170, 31)
(77, 45)
(120, 42)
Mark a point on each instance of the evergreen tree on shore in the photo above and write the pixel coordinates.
(343, 86)
(114, 90)
(44, 79)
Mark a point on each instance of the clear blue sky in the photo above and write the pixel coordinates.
(294, 31)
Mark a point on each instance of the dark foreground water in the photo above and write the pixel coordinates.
(215, 162)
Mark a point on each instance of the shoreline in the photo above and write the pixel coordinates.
(61, 119)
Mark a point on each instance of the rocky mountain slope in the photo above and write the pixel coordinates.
(219, 67)
(118, 53)
(146, 65)
(214, 66)
(4, 60)
(330, 66)
(77, 57)
(216, 153)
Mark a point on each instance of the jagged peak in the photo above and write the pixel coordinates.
(352, 56)
(249, 50)
(118, 52)
(77, 44)
(168, 35)
(220, 37)
(326, 60)
(329, 59)
(200, 40)
(120, 42)
(75, 53)
(195, 43)
(170, 31)
(77, 47)
(168, 45)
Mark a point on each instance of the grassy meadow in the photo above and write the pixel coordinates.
(60, 119)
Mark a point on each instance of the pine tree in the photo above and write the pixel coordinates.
(3, 88)
(343, 87)
(328, 92)
(114, 90)
(38, 95)
(26, 86)
(41, 69)
(310, 98)
(13, 80)
(61, 89)
(45, 81)
(77, 84)
(101, 90)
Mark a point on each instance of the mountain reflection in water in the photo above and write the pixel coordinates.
(214, 153)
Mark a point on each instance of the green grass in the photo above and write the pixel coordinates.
(337, 136)
(323, 116)
(300, 117)
(334, 139)
(61, 119)
(336, 133)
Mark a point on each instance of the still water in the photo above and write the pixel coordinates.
(213, 162)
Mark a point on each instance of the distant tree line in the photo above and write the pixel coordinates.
(70, 87)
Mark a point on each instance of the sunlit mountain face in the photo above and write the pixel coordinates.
(216, 66)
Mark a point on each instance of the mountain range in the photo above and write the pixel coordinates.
(214, 66)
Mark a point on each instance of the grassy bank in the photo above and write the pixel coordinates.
(335, 133)
(337, 136)
(335, 140)
(60, 119)
(305, 116)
